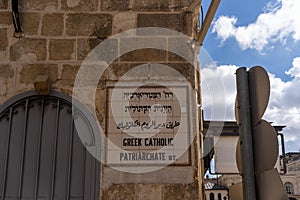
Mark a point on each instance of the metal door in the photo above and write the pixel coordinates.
(41, 155)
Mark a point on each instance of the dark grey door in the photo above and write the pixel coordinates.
(41, 155)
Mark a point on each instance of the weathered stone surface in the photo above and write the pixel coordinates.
(145, 5)
(62, 49)
(69, 72)
(3, 39)
(31, 71)
(5, 18)
(174, 21)
(49, 5)
(180, 4)
(68, 75)
(147, 49)
(119, 69)
(100, 106)
(114, 5)
(151, 5)
(146, 55)
(82, 24)
(3, 4)
(186, 70)
(149, 192)
(6, 71)
(120, 192)
(108, 51)
(3, 88)
(29, 49)
(179, 192)
(79, 5)
(180, 49)
(30, 23)
(53, 24)
(123, 21)
(85, 46)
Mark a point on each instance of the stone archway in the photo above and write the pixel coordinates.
(41, 154)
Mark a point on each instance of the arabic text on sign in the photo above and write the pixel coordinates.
(145, 125)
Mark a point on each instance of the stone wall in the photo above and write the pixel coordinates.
(59, 34)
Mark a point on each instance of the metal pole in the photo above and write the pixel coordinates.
(249, 190)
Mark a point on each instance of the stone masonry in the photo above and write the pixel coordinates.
(59, 34)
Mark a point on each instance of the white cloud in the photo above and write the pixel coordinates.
(284, 104)
(295, 70)
(218, 92)
(275, 25)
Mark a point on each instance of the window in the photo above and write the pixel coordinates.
(219, 196)
(211, 196)
(289, 188)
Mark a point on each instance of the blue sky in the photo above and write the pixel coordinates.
(249, 33)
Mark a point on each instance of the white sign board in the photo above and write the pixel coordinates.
(225, 155)
(148, 125)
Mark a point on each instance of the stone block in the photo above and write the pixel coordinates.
(148, 49)
(149, 192)
(184, 69)
(5, 18)
(180, 49)
(181, 191)
(121, 192)
(85, 46)
(83, 24)
(145, 5)
(68, 75)
(6, 71)
(29, 72)
(79, 5)
(53, 24)
(180, 4)
(145, 55)
(3, 39)
(120, 69)
(69, 72)
(174, 21)
(123, 21)
(28, 49)
(108, 51)
(62, 49)
(114, 5)
(3, 4)
(151, 5)
(48, 5)
(30, 23)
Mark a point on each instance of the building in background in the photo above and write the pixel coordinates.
(291, 179)
(42, 49)
(228, 141)
(215, 191)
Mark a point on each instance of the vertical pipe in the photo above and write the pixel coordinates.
(7, 153)
(55, 149)
(23, 148)
(249, 190)
(70, 161)
(40, 135)
(283, 153)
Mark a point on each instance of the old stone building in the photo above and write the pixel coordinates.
(291, 179)
(42, 156)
